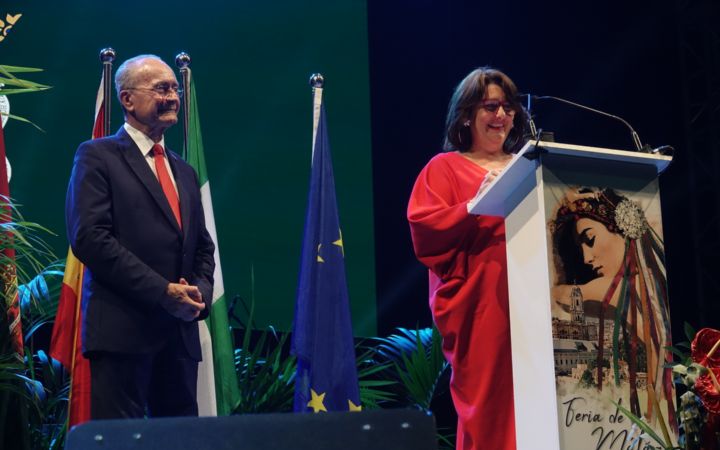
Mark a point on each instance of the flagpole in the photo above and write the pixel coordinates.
(326, 375)
(182, 61)
(317, 81)
(66, 339)
(107, 56)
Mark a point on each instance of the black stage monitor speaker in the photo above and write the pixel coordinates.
(367, 430)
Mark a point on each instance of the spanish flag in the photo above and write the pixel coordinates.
(66, 341)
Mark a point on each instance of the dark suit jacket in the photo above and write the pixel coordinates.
(120, 225)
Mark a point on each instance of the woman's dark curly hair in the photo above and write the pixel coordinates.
(464, 105)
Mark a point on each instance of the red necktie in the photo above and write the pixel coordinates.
(166, 182)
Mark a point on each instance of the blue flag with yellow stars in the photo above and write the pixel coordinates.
(326, 378)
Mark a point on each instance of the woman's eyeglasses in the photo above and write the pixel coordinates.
(492, 106)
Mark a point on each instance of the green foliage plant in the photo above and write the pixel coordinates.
(417, 364)
(418, 369)
(33, 391)
(10, 85)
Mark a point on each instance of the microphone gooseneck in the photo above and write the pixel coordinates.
(636, 139)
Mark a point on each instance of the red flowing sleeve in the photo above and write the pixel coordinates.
(440, 225)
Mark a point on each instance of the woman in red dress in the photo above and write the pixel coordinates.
(465, 254)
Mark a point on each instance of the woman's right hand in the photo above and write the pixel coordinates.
(489, 178)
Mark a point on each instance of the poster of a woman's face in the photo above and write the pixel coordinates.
(609, 298)
(591, 233)
(602, 250)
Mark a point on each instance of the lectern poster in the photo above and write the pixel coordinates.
(610, 316)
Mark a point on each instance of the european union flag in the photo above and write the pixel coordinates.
(326, 378)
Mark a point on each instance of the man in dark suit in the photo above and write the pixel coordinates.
(135, 219)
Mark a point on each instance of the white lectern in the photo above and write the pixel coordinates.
(562, 399)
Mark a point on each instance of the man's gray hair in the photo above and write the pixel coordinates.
(124, 74)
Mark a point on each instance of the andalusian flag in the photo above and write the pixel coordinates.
(215, 338)
(66, 341)
(326, 378)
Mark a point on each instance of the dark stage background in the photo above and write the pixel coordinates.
(391, 67)
(637, 60)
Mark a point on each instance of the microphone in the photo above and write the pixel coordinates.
(636, 139)
(531, 122)
(663, 150)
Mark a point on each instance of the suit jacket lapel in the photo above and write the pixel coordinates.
(139, 166)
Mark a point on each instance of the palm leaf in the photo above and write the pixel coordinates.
(677, 352)
(417, 361)
(446, 440)
(689, 331)
(266, 375)
(373, 388)
(16, 117)
(667, 445)
(10, 369)
(7, 70)
(39, 299)
(50, 386)
(12, 81)
(19, 86)
(4, 91)
(266, 372)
